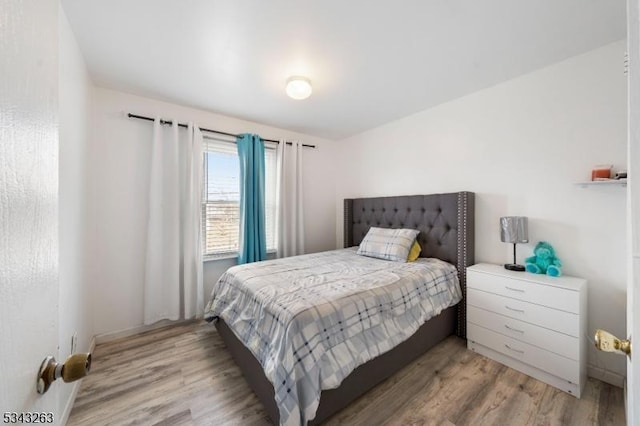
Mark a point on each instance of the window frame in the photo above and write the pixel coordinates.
(270, 149)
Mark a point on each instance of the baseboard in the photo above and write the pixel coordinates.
(114, 335)
(72, 399)
(606, 376)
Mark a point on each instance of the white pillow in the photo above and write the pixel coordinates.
(388, 244)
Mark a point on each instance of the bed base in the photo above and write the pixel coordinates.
(359, 381)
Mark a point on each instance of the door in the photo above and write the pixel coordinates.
(28, 202)
(633, 286)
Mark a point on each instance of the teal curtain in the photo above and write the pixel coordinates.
(253, 240)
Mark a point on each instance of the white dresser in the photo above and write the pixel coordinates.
(533, 323)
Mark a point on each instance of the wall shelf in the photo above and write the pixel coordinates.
(599, 183)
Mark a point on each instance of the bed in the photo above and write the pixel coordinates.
(446, 225)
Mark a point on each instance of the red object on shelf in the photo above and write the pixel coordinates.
(601, 172)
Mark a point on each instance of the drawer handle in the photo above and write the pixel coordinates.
(512, 349)
(514, 329)
(519, 290)
(514, 310)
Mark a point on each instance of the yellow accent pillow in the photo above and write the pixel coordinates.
(414, 252)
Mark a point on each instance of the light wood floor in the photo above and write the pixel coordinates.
(183, 375)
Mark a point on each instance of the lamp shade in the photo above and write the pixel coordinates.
(299, 88)
(514, 229)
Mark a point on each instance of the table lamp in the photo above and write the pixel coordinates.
(514, 229)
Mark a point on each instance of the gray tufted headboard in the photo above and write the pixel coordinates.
(445, 222)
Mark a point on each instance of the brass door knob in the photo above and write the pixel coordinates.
(75, 367)
(607, 342)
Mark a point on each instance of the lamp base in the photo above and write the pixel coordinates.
(514, 267)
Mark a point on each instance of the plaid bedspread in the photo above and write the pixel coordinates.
(311, 320)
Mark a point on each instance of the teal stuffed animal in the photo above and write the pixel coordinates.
(544, 261)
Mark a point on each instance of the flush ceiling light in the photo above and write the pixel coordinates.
(298, 87)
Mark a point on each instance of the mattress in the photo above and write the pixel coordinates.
(311, 320)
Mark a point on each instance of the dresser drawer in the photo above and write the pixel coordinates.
(544, 338)
(553, 319)
(552, 363)
(554, 297)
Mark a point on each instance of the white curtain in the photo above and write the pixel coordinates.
(290, 223)
(173, 269)
(193, 290)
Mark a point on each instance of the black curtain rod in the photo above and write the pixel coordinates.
(142, 117)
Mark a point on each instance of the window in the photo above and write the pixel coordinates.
(221, 200)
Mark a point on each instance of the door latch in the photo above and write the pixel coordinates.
(75, 367)
(607, 342)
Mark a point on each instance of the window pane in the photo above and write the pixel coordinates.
(270, 197)
(222, 203)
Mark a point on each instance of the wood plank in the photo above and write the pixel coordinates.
(411, 380)
(184, 375)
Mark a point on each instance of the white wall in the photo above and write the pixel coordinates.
(118, 180)
(74, 291)
(521, 146)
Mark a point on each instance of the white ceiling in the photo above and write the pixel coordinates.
(370, 62)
